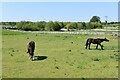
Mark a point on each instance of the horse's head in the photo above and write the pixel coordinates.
(105, 39)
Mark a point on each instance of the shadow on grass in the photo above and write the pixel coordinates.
(39, 58)
(106, 48)
(94, 49)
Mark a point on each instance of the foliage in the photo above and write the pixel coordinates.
(72, 25)
(27, 26)
(93, 25)
(8, 23)
(41, 25)
(20, 24)
(81, 25)
(49, 26)
(95, 19)
(56, 26)
(52, 26)
(61, 24)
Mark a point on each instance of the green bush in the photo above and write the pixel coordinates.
(27, 26)
(94, 25)
(52, 26)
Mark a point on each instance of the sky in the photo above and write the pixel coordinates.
(59, 11)
(59, 0)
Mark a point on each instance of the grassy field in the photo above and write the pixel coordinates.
(0, 52)
(66, 56)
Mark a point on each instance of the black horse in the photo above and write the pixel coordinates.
(97, 41)
(31, 48)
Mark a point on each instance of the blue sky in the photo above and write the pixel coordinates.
(59, 0)
(59, 11)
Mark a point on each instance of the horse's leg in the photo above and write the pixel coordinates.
(30, 56)
(33, 56)
(28, 50)
(86, 46)
(97, 46)
(101, 46)
(89, 45)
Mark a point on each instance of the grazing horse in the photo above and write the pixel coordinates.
(97, 41)
(31, 48)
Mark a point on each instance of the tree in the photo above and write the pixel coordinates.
(93, 25)
(81, 25)
(84, 25)
(20, 25)
(61, 24)
(49, 26)
(27, 26)
(72, 25)
(65, 24)
(12, 23)
(41, 25)
(52, 26)
(56, 26)
(95, 19)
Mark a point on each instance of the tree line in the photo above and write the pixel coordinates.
(56, 25)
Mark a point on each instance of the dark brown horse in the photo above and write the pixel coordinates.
(97, 41)
(31, 48)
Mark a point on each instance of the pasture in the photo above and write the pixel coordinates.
(58, 56)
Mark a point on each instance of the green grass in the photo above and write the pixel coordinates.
(0, 51)
(66, 56)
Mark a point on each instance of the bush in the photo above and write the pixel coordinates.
(49, 26)
(56, 26)
(94, 25)
(81, 25)
(27, 26)
(72, 25)
(40, 25)
(52, 26)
